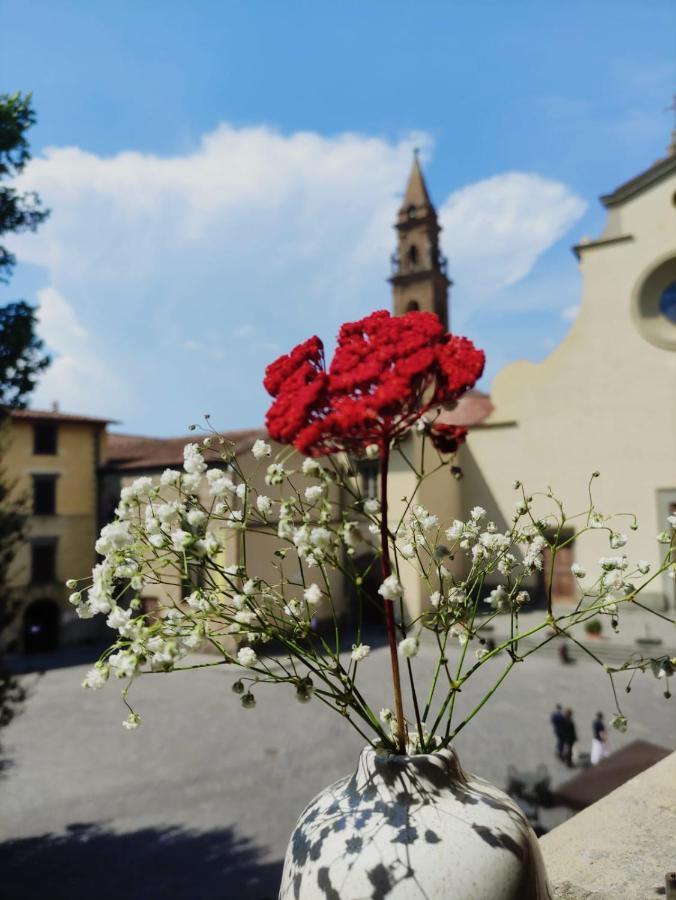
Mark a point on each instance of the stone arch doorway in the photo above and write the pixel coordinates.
(41, 624)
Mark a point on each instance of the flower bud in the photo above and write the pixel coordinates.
(238, 687)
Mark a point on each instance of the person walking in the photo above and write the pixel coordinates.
(599, 746)
(569, 737)
(557, 719)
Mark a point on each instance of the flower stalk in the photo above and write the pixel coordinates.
(388, 605)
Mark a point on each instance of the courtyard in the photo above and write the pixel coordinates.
(199, 801)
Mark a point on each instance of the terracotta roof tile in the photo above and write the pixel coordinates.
(44, 415)
(131, 452)
(471, 409)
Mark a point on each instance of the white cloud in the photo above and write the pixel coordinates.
(189, 273)
(496, 229)
(78, 378)
(569, 313)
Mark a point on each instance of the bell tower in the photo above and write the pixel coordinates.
(418, 279)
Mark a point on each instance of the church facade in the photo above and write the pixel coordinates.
(604, 400)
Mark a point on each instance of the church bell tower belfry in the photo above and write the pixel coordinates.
(418, 279)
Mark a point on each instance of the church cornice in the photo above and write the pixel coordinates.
(656, 173)
(602, 242)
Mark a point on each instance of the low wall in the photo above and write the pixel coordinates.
(621, 847)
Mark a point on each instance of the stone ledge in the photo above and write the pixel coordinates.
(622, 846)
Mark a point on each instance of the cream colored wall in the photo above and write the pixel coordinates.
(604, 399)
(439, 493)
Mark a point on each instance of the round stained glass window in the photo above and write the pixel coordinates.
(668, 302)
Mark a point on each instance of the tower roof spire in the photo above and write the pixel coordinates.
(416, 190)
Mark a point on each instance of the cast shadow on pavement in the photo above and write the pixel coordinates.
(164, 863)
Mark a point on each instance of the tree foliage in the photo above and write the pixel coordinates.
(21, 354)
(18, 211)
(21, 360)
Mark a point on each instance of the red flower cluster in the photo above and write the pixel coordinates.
(386, 373)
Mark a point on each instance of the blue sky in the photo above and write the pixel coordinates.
(224, 177)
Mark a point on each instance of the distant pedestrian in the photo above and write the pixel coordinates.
(557, 719)
(599, 746)
(569, 737)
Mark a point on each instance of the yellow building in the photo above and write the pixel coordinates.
(52, 460)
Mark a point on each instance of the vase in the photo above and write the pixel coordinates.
(408, 827)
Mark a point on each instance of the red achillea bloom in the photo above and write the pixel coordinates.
(386, 373)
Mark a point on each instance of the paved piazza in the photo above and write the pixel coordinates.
(199, 801)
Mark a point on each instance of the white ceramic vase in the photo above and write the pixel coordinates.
(409, 827)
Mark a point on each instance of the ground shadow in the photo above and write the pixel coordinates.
(61, 658)
(149, 864)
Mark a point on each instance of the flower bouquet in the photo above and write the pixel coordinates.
(197, 534)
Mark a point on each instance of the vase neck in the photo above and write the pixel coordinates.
(425, 771)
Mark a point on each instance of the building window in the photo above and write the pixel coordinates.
(654, 305)
(413, 255)
(191, 580)
(668, 302)
(44, 495)
(45, 439)
(368, 470)
(412, 306)
(43, 561)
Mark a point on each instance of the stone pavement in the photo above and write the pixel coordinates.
(198, 802)
(640, 633)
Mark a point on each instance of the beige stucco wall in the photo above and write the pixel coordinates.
(604, 399)
(439, 493)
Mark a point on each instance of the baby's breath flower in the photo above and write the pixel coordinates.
(408, 647)
(371, 506)
(132, 721)
(246, 657)
(314, 493)
(360, 652)
(577, 570)
(391, 588)
(96, 678)
(617, 540)
(263, 504)
(311, 467)
(312, 594)
(261, 449)
(275, 474)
